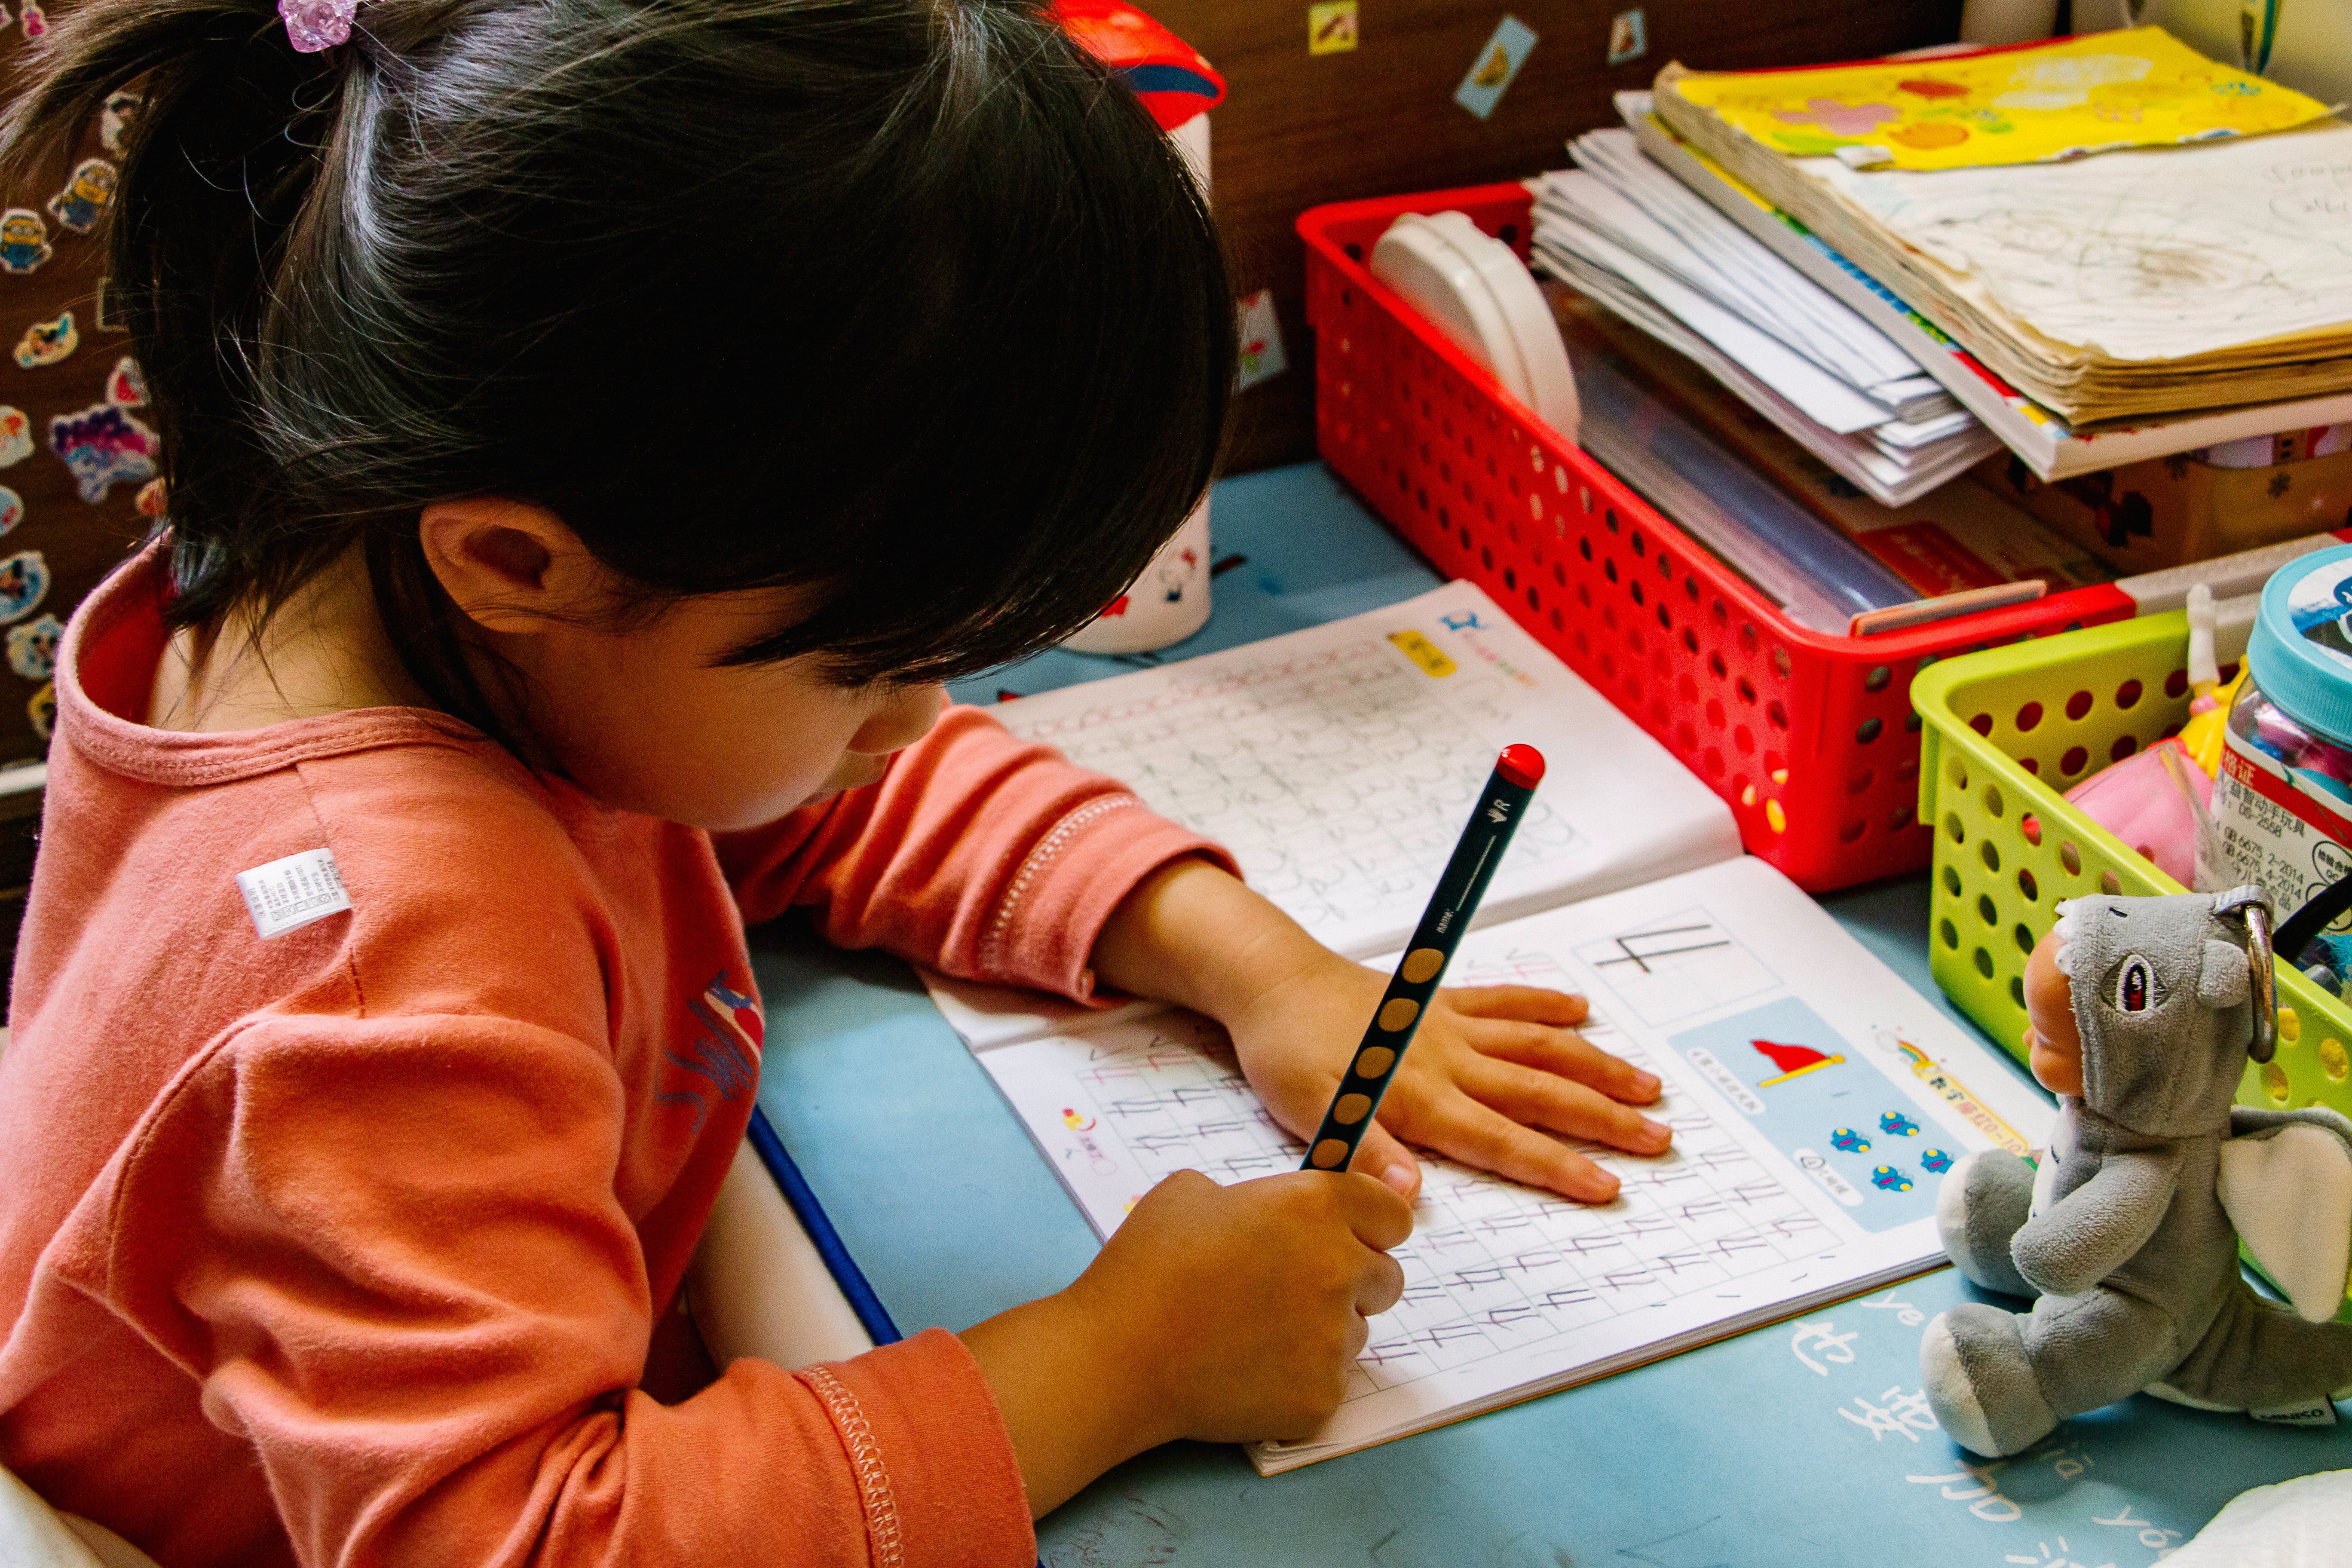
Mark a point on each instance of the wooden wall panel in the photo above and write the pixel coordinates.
(1297, 130)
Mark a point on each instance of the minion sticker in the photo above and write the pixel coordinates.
(84, 200)
(15, 436)
(103, 444)
(12, 510)
(46, 342)
(23, 584)
(24, 240)
(125, 387)
(33, 648)
(121, 109)
(42, 709)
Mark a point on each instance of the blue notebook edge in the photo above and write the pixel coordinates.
(871, 1314)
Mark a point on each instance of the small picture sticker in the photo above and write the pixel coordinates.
(46, 342)
(41, 708)
(125, 387)
(88, 190)
(1497, 66)
(24, 240)
(33, 648)
(12, 510)
(1262, 358)
(108, 310)
(121, 109)
(150, 501)
(15, 436)
(1629, 37)
(36, 24)
(103, 444)
(23, 584)
(1331, 27)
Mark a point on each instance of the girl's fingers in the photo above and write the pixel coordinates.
(1562, 1105)
(1523, 1004)
(1566, 1054)
(1383, 1158)
(1480, 1136)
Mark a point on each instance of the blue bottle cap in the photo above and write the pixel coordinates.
(2301, 649)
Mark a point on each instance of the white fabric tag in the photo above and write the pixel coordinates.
(293, 892)
(2314, 1412)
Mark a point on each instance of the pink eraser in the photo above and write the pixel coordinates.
(1522, 764)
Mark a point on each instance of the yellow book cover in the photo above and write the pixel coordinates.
(2036, 104)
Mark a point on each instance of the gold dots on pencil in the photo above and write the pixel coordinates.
(1374, 1061)
(1421, 964)
(1350, 1109)
(1330, 1152)
(1398, 1013)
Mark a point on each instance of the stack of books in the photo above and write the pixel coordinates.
(2185, 287)
(1622, 231)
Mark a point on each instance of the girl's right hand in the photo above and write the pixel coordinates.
(1227, 1314)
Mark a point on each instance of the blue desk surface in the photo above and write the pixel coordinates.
(1800, 1444)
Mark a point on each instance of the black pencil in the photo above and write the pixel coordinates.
(1492, 821)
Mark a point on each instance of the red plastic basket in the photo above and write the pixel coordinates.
(1811, 738)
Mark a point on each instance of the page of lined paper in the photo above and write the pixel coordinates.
(1338, 765)
(1783, 1187)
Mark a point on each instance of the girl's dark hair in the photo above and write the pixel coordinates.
(904, 301)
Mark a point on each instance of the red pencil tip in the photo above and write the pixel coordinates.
(1522, 764)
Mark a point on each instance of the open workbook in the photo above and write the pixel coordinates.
(1815, 1097)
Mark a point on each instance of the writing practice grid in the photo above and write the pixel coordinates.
(1338, 764)
(1815, 1100)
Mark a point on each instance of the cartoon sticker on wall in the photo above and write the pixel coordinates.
(24, 240)
(1331, 27)
(33, 648)
(42, 710)
(23, 584)
(1497, 66)
(125, 387)
(1629, 37)
(150, 501)
(121, 110)
(84, 200)
(36, 24)
(15, 436)
(1262, 358)
(102, 445)
(46, 342)
(12, 510)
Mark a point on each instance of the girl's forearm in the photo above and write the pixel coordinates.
(1193, 935)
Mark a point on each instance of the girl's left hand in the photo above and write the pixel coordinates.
(1495, 1071)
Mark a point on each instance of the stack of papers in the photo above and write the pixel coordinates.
(1625, 232)
(2126, 285)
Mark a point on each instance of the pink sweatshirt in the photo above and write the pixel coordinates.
(344, 1245)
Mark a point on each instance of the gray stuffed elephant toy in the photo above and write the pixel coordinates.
(2143, 1016)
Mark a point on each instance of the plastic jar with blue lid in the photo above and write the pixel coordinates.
(2283, 799)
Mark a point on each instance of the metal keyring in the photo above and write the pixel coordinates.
(2249, 905)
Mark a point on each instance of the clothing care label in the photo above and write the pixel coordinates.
(291, 893)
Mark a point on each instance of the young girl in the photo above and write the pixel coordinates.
(593, 429)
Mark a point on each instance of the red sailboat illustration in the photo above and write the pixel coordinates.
(1794, 1062)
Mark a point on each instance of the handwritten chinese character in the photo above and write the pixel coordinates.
(1834, 1346)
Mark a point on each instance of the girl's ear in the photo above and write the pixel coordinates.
(508, 566)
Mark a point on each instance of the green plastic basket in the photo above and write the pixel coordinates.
(2007, 847)
(2000, 724)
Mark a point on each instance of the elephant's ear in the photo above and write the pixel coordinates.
(2288, 1189)
(2223, 979)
